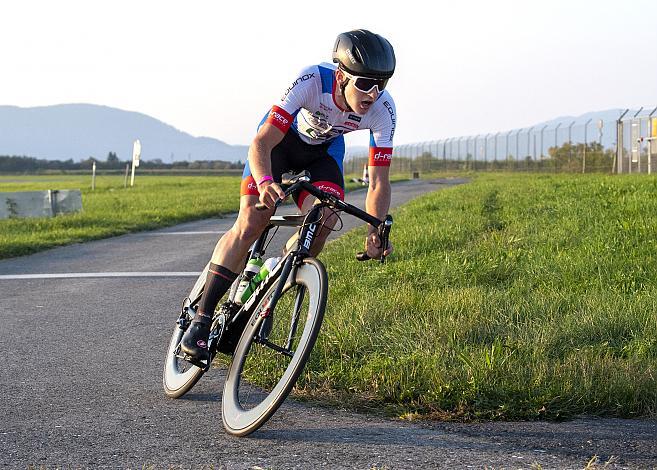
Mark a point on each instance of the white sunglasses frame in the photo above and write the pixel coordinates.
(355, 77)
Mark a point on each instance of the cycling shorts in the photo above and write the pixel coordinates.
(292, 155)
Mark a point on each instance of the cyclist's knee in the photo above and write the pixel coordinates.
(250, 222)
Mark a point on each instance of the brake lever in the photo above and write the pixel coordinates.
(384, 236)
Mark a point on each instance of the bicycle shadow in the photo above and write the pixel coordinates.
(344, 435)
(579, 439)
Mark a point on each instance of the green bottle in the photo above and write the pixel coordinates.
(251, 270)
(264, 271)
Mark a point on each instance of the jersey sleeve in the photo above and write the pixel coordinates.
(296, 96)
(382, 133)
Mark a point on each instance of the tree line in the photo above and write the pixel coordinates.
(24, 164)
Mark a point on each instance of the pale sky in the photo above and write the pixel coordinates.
(213, 68)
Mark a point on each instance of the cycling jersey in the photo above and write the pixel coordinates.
(309, 108)
(317, 123)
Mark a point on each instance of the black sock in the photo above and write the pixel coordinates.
(217, 283)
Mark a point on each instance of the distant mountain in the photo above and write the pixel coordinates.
(79, 131)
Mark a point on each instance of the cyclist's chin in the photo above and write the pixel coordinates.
(362, 107)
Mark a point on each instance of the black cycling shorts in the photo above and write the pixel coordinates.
(292, 155)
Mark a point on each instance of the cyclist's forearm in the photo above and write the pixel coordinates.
(260, 151)
(259, 159)
(378, 201)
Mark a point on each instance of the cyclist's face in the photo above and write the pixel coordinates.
(358, 101)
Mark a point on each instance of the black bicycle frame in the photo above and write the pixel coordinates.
(310, 226)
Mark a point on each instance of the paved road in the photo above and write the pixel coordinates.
(81, 384)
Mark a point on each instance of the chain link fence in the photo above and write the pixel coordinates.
(565, 146)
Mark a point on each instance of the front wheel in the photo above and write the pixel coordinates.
(179, 376)
(274, 348)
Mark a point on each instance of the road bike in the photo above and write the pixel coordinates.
(270, 335)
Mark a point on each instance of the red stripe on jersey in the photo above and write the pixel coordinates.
(279, 118)
(333, 95)
(380, 156)
(327, 186)
(249, 187)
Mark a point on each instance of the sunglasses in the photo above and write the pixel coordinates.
(366, 85)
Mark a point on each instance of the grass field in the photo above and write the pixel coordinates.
(111, 209)
(515, 296)
(155, 201)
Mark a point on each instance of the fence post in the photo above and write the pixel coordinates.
(586, 127)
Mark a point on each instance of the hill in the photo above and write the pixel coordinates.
(78, 131)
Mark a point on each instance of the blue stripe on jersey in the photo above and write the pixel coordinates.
(327, 79)
(336, 150)
(372, 142)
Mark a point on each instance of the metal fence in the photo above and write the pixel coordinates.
(589, 146)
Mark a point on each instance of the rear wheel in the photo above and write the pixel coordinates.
(274, 348)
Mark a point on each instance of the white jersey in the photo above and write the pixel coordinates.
(309, 108)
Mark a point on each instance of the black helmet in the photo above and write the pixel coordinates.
(363, 53)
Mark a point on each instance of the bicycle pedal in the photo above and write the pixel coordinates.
(194, 361)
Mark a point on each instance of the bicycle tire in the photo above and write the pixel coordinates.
(179, 376)
(237, 419)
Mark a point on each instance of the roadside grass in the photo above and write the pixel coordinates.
(110, 210)
(512, 297)
(154, 201)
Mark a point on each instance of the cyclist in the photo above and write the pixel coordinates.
(304, 131)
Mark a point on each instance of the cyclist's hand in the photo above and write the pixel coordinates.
(373, 246)
(270, 192)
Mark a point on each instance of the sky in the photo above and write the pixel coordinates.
(213, 68)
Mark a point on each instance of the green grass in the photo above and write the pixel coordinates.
(154, 201)
(111, 209)
(515, 296)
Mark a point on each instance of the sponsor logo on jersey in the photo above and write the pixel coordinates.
(392, 118)
(353, 125)
(325, 108)
(321, 115)
(330, 189)
(252, 185)
(279, 117)
(301, 79)
(353, 117)
(382, 157)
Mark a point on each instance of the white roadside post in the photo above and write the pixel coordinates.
(136, 153)
(93, 176)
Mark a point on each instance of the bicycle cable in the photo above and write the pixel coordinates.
(271, 237)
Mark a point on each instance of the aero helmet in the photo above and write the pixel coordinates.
(363, 53)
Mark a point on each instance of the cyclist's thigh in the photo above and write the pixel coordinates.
(326, 175)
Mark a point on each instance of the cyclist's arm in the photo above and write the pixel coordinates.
(377, 204)
(268, 137)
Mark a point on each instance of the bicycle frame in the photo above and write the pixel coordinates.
(307, 234)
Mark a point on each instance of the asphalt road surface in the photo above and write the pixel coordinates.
(83, 335)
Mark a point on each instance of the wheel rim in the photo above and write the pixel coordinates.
(247, 403)
(177, 372)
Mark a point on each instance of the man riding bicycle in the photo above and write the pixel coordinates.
(304, 131)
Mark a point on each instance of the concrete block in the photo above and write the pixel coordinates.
(39, 203)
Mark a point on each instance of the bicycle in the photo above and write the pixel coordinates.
(274, 331)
